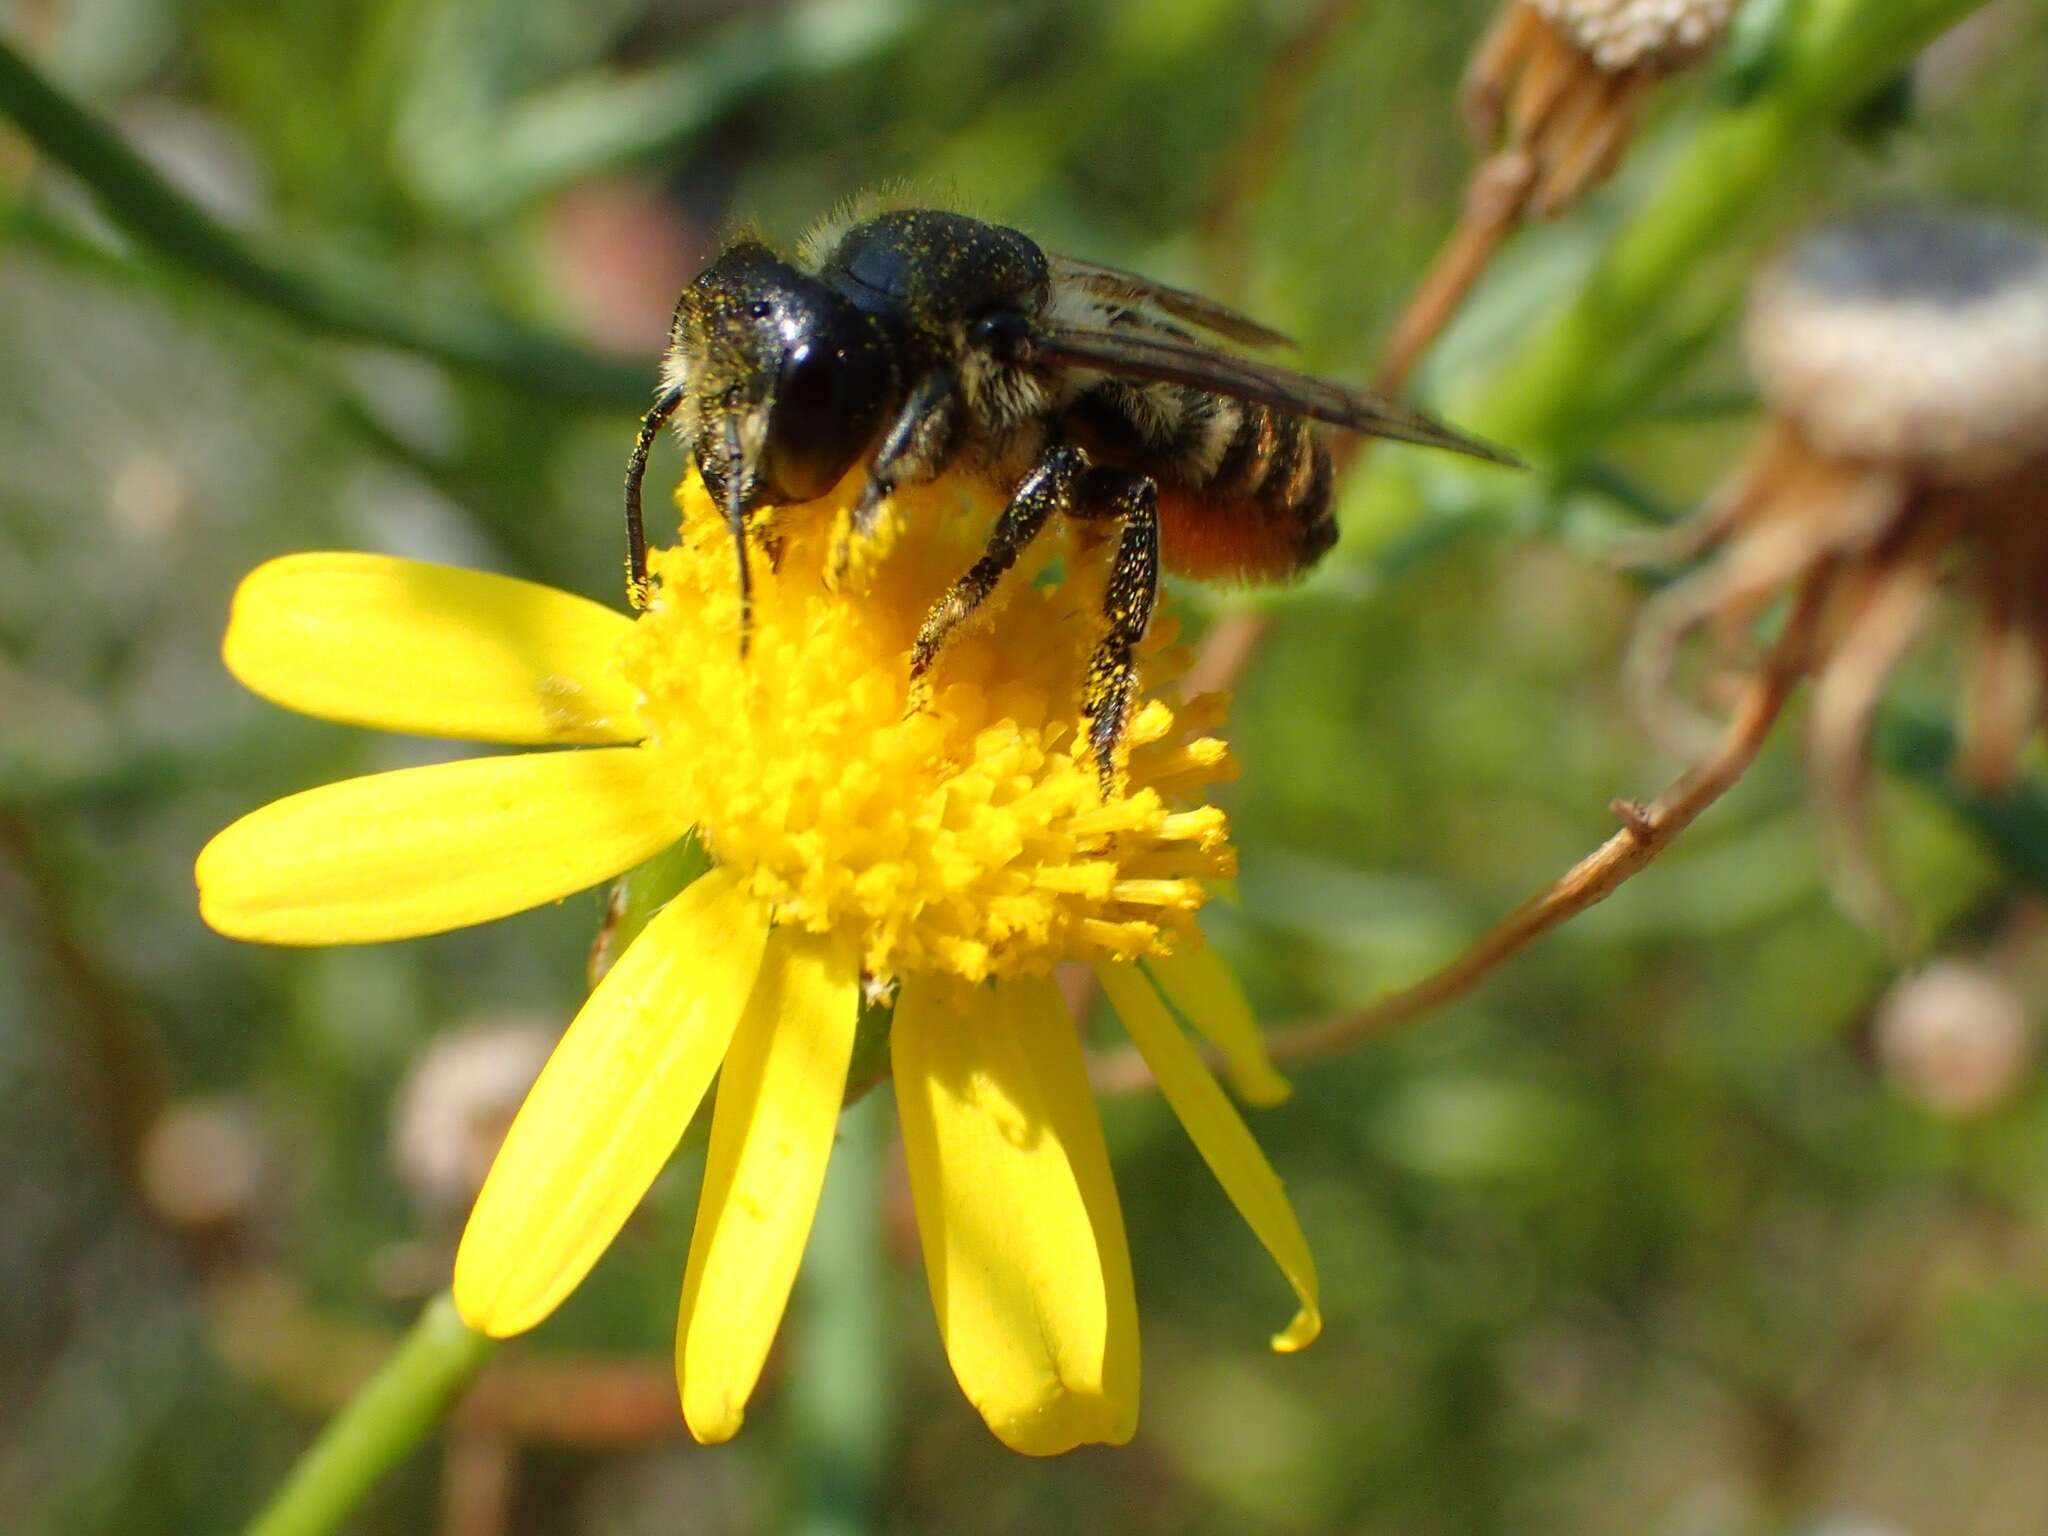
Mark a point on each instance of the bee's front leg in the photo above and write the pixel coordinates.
(637, 585)
(914, 450)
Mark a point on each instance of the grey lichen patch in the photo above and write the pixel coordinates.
(1912, 338)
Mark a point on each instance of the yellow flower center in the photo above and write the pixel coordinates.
(958, 824)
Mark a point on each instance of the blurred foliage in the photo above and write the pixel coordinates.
(1637, 1240)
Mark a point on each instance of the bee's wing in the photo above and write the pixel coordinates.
(1140, 355)
(1130, 287)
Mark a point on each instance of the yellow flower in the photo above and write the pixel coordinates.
(951, 840)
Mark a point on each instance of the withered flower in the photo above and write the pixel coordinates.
(1903, 359)
(1553, 96)
(1561, 84)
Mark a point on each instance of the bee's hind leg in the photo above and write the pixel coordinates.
(1112, 679)
(1047, 489)
(1064, 482)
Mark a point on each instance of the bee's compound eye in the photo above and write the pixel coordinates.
(760, 309)
(828, 402)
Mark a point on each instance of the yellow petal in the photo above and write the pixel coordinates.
(1220, 1135)
(609, 1107)
(400, 645)
(771, 1133)
(1197, 982)
(1023, 1238)
(423, 850)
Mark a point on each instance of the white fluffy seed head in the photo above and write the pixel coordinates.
(1911, 338)
(1630, 34)
(1955, 1038)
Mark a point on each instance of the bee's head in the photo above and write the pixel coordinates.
(786, 382)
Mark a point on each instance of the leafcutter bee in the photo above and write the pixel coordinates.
(926, 341)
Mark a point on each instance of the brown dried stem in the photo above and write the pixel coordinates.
(1494, 201)
(1646, 832)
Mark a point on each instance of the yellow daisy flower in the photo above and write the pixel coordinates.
(951, 841)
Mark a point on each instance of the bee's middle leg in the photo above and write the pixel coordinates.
(1047, 489)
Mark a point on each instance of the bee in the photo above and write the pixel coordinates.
(927, 341)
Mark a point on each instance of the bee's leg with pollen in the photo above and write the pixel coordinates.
(1049, 488)
(914, 450)
(1112, 680)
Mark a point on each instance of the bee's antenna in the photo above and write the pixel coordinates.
(636, 471)
(735, 519)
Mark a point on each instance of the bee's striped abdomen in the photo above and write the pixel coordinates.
(1244, 490)
(1257, 505)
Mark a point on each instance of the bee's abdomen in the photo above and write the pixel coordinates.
(1257, 508)
(1244, 490)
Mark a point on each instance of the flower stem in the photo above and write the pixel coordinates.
(397, 1409)
(181, 234)
(1574, 376)
(836, 1439)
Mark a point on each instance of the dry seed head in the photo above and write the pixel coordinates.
(1648, 34)
(455, 1104)
(1910, 338)
(1955, 1038)
(203, 1164)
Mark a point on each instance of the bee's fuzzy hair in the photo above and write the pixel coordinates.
(890, 197)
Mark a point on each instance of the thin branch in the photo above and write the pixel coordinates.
(181, 234)
(1646, 832)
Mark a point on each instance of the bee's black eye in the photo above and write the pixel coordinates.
(760, 309)
(829, 401)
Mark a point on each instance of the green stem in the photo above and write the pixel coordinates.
(1571, 377)
(180, 233)
(399, 1407)
(836, 1439)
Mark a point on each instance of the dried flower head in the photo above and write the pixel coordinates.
(1910, 338)
(1903, 358)
(1561, 84)
(1640, 34)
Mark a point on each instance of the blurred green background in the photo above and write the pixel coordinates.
(1643, 1238)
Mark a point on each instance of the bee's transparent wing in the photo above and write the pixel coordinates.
(1138, 355)
(1132, 288)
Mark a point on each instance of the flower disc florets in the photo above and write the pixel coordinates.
(956, 824)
